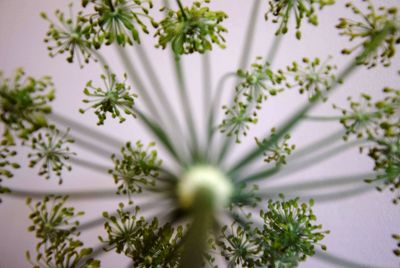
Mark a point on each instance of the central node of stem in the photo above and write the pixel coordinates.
(204, 178)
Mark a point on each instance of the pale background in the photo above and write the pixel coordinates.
(361, 226)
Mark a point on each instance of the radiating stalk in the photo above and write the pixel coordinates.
(207, 82)
(290, 123)
(85, 130)
(76, 195)
(137, 81)
(244, 61)
(273, 51)
(161, 135)
(185, 102)
(316, 184)
(173, 121)
(215, 102)
(101, 169)
(303, 164)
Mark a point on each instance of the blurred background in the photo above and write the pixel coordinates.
(361, 220)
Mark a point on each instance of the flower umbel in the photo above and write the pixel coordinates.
(24, 102)
(379, 31)
(53, 226)
(71, 35)
(51, 151)
(118, 20)
(193, 29)
(138, 168)
(115, 98)
(282, 10)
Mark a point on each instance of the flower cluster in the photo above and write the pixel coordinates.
(69, 35)
(55, 227)
(24, 102)
(283, 9)
(51, 151)
(289, 234)
(312, 77)
(277, 152)
(379, 123)
(138, 168)
(239, 247)
(6, 165)
(378, 30)
(115, 98)
(117, 20)
(256, 86)
(286, 237)
(146, 243)
(386, 155)
(193, 29)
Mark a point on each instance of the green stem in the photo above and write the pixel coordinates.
(161, 135)
(185, 102)
(173, 121)
(207, 97)
(316, 184)
(111, 5)
(102, 61)
(244, 61)
(76, 195)
(195, 241)
(85, 130)
(215, 103)
(273, 51)
(303, 164)
(323, 118)
(182, 10)
(101, 169)
(290, 123)
(137, 81)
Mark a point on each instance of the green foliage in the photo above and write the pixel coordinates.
(5, 165)
(378, 32)
(117, 20)
(51, 151)
(146, 243)
(288, 234)
(69, 35)
(193, 29)
(56, 229)
(279, 151)
(312, 77)
(282, 11)
(138, 168)
(115, 98)
(255, 88)
(24, 102)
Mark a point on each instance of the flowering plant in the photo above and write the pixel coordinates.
(215, 212)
